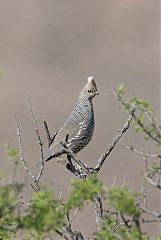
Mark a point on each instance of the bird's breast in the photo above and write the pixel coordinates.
(85, 128)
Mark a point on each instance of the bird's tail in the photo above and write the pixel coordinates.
(49, 155)
(41, 162)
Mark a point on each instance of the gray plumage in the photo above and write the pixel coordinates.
(79, 125)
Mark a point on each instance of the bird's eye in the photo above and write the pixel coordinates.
(89, 91)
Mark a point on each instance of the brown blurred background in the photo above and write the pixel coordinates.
(47, 50)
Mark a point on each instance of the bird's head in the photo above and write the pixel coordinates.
(90, 89)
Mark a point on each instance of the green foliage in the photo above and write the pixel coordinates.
(123, 201)
(141, 104)
(7, 226)
(12, 153)
(33, 235)
(8, 196)
(8, 200)
(83, 191)
(121, 233)
(120, 89)
(144, 122)
(106, 229)
(112, 231)
(45, 213)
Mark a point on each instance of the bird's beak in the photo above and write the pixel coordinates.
(97, 93)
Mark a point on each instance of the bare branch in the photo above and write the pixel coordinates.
(153, 213)
(35, 179)
(21, 151)
(62, 235)
(150, 220)
(155, 184)
(39, 141)
(133, 149)
(50, 139)
(98, 211)
(72, 235)
(143, 195)
(70, 152)
(115, 140)
(74, 215)
(36, 128)
(47, 133)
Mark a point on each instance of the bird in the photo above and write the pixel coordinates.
(78, 127)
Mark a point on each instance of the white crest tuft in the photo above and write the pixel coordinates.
(90, 79)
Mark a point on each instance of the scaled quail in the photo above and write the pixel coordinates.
(79, 125)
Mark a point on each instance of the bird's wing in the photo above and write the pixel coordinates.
(71, 127)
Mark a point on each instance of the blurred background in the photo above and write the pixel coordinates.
(47, 50)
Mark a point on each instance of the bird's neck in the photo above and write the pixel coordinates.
(84, 105)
